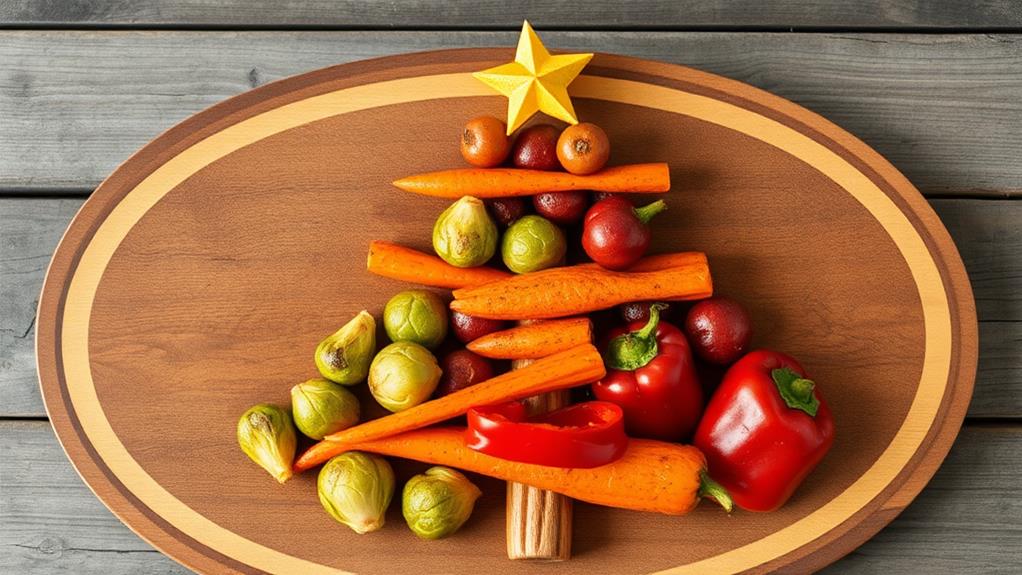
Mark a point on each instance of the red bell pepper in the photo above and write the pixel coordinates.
(585, 435)
(765, 428)
(652, 377)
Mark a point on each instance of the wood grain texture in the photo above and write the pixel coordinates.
(538, 521)
(985, 231)
(988, 235)
(51, 523)
(942, 108)
(968, 532)
(962, 523)
(204, 234)
(562, 14)
(29, 232)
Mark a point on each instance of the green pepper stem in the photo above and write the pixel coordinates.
(646, 213)
(802, 388)
(795, 390)
(635, 349)
(710, 488)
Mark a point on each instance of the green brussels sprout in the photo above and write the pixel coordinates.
(532, 243)
(403, 375)
(464, 235)
(321, 407)
(418, 316)
(438, 502)
(355, 488)
(267, 436)
(344, 356)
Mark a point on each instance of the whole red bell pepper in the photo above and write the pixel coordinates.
(585, 435)
(652, 377)
(765, 428)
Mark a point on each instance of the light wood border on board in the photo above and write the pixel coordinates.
(912, 458)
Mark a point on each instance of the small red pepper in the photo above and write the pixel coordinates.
(765, 428)
(585, 435)
(652, 377)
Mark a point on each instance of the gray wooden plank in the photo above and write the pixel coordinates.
(986, 231)
(51, 523)
(988, 234)
(964, 522)
(943, 108)
(29, 232)
(486, 14)
(998, 391)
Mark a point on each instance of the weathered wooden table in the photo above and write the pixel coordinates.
(935, 87)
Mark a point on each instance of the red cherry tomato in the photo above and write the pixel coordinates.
(462, 369)
(535, 148)
(639, 311)
(507, 210)
(616, 234)
(563, 208)
(467, 328)
(719, 330)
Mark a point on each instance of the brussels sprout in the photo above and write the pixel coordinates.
(355, 488)
(532, 243)
(438, 502)
(322, 407)
(344, 356)
(267, 436)
(464, 235)
(403, 375)
(418, 316)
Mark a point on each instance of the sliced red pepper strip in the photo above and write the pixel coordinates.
(585, 435)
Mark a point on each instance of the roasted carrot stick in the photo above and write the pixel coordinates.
(400, 263)
(534, 340)
(504, 182)
(659, 262)
(576, 366)
(575, 290)
(651, 476)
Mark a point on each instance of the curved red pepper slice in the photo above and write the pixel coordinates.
(585, 435)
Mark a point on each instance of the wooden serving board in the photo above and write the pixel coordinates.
(199, 277)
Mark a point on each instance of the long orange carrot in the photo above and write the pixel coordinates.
(659, 262)
(398, 262)
(505, 182)
(576, 366)
(651, 476)
(575, 290)
(534, 340)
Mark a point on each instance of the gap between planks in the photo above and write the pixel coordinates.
(782, 15)
(668, 28)
(965, 521)
(987, 233)
(942, 108)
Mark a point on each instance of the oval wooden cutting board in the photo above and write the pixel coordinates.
(199, 277)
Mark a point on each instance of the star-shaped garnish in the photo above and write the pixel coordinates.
(535, 81)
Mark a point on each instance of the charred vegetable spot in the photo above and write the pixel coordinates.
(465, 241)
(337, 359)
(259, 421)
